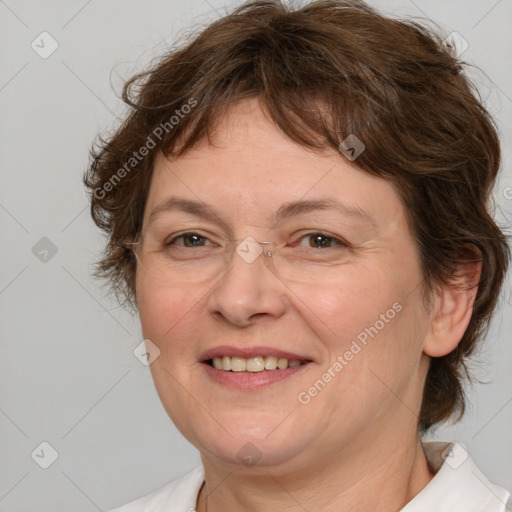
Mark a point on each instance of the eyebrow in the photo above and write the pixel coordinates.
(287, 210)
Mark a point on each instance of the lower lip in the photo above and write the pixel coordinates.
(250, 380)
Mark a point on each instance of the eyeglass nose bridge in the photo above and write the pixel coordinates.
(266, 252)
(249, 249)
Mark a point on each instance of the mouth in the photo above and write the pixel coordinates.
(254, 364)
(251, 368)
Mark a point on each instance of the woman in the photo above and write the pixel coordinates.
(297, 208)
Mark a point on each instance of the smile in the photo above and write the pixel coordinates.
(253, 364)
(252, 367)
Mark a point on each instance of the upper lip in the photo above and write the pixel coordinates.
(247, 352)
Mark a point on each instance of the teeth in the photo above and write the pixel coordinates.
(282, 363)
(238, 364)
(270, 363)
(253, 364)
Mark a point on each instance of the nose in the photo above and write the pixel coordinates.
(248, 292)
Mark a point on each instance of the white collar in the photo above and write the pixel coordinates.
(458, 485)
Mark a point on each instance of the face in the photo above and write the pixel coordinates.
(355, 318)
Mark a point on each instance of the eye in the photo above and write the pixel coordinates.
(190, 239)
(315, 240)
(322, 241)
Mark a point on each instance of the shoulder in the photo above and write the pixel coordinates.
(180, 494)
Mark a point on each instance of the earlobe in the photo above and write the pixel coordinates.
(452, 309)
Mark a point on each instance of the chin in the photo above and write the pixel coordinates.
(251, 454)
(247, 443)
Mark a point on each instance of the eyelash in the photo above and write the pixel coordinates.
(337, 241)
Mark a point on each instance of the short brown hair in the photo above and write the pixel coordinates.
(323, 72)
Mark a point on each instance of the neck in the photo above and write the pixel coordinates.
(382, 480)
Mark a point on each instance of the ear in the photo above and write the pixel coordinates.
(453, 306)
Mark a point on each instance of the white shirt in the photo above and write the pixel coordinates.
(458, 486)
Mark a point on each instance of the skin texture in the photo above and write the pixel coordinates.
(354, 446)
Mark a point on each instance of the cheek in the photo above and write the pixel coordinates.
(164, 311)
(372, 318)
(343, 309)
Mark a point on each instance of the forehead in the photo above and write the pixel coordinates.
(252, 168)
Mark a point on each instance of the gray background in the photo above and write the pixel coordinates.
(68, 375)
